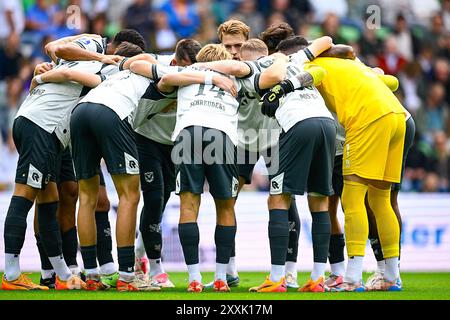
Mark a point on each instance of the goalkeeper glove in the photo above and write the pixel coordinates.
(271, 100)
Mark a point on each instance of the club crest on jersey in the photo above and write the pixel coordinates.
(276, 184)
(35, 177)
(132, 165)
(149, 177)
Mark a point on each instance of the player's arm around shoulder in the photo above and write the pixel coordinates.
(170, 81)
(60, 75)
(239, 69)
(142, 60)
(275, 73)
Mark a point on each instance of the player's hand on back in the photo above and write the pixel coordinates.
(226, 84)
(43, 68)
(272, 100)
(111, 59)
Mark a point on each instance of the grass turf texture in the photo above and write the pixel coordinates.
(417, 286)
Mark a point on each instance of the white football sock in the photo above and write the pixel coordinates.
(126, 276)
(231, 267)
(221, 271)
(108, 268)
(277, 272)
(61, 269)
(318, 270)
(291, 267)
(12, 266)
(47, 274)
(139, 249)
(354, 270)
(156, 267)
(338, 269)
(381, 266)
(194, 273)
(75, 270)
(391, 273)
(91, 272)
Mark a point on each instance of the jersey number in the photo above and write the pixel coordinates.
(220, 92)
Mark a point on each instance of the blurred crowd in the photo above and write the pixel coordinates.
(406, 38)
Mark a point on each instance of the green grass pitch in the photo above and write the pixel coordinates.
(417, 286)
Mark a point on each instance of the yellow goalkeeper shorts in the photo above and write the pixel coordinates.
(375, 151)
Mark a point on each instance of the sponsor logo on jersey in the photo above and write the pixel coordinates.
(235, 187)
(177, 183)
(276, 184)
(131, 164)
(35, 177)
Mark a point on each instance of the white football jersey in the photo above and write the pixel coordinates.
(94, 44)
(207, 106)
(121, 92)
(49, 103)
(257, 132)
(302, 104)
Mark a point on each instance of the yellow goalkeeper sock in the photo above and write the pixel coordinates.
(356, 222)
(387, 223)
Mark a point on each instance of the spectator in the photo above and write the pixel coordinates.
(182, 17)
(424, 10)
(433, 115)
(441, 74)
(323, 7)
(370, 46)
(425, 59)
(248, 14)
(139, 17)
(413, 86)
(390, 9)
(446, 14)
(290, 12)
(12, 20)
(407, 43)
(99, 24)
(162, 39)
(391, 61)
(210, 17)
(39, 20)
(436, 35)
(330, 27)
(441, 161)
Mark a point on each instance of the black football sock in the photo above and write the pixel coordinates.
(189, 238)
(224, 238)
(278, 235)
(70, 246)
(49, 230)
(104, 240)
(16, 224)
(150, 224)
(125, 257)
(336, 251)
(294, 232)
(89, 254)
(376, 248)
(321, 232)
(45, 262)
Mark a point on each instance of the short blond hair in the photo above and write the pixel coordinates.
(233, 27)
(213, 52)
(255, 45)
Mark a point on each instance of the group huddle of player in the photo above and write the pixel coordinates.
(325, 124)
